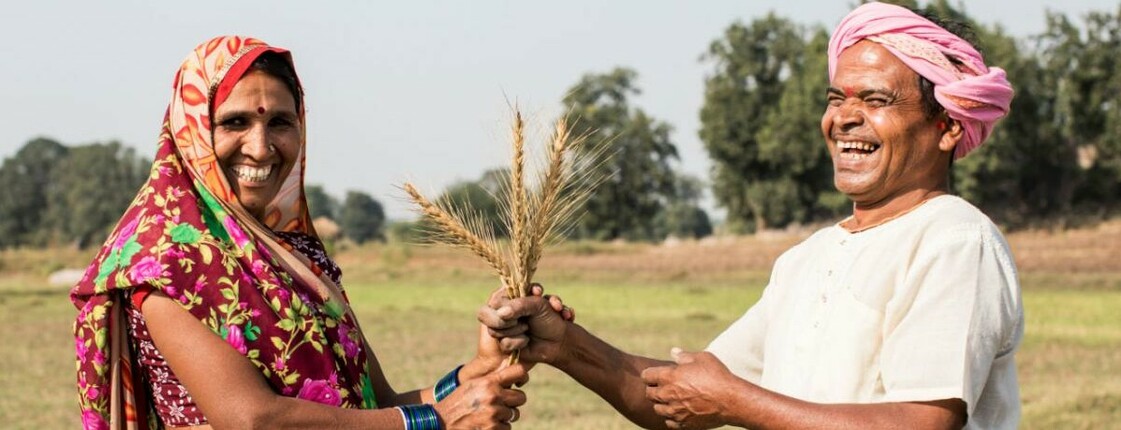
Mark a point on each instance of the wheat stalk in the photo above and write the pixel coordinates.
(457, 230)
(533, 217)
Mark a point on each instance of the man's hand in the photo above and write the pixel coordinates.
(689, 395)
(535, 324)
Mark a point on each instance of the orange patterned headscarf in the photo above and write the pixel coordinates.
(209, 74)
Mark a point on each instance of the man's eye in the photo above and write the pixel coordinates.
(876, 101)
(834, 100)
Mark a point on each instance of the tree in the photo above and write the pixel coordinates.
(361, 217)
(760, 122)
(320, 204)
(683, 216)
(25, 179)
(481, 197)
(1083, 67)
(89, 190)
(638, 179)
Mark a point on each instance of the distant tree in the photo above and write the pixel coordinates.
(362, 218)
(481, 197)
(683, 217)
(321, 204)
(760, 123)
(25, 179)
(638, 178)
(1083, 68)
(90, 188)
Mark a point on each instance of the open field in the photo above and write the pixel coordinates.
(418, 304)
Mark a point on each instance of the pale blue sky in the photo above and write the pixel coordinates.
(395, 90)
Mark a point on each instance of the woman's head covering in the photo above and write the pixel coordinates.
(210, 73)
(186, 235)
(972, 93)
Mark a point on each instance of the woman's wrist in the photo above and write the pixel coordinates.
(447, 384)
(476, 368)
(420, 417)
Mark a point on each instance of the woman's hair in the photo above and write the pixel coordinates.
(277, 66)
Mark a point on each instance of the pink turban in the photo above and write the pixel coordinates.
(972, 93)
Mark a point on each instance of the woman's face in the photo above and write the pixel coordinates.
(257, 139)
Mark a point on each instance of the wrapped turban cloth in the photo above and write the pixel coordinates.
(972, 93)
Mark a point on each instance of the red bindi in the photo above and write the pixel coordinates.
(260, 109)
(848, 91)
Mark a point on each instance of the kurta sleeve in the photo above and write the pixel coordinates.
(955, 313)
(740, 347)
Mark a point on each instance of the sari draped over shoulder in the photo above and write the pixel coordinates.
(186, 234)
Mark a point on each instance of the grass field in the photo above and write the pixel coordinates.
(417, 305)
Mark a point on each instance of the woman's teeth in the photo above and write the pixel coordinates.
(252, 174)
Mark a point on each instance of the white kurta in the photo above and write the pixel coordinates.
(924, 307)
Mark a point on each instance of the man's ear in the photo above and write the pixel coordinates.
(951, 135)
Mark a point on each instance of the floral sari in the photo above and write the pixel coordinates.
(186, 234)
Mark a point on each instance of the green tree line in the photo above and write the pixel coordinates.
(1056, 157)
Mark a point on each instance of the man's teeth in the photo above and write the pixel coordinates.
(862, 149)
(252, 174)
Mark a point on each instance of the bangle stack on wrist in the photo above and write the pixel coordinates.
(447, 384)
(420, 417)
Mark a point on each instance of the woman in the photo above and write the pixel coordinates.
(220, 235)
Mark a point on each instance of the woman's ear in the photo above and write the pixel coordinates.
(952, 132)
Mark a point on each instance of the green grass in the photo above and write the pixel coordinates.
(421, 326)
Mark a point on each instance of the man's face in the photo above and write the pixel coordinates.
(881, 141)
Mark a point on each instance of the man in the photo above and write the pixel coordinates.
(905, 315)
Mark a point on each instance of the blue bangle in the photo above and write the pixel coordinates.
(420, 417)
(447, 384)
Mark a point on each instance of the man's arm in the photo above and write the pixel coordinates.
(696, 392)
(700, 392)
(544, 335)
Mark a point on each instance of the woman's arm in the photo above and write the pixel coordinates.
(231, 393)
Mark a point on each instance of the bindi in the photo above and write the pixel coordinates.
(848, 91)
(261, 109)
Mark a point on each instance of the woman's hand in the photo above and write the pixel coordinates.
(487, 402)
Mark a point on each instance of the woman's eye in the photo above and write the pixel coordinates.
(280, 122)
(876, 102)
(235, 122)
(834, 100)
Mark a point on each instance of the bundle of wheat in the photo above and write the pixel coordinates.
(534, 216)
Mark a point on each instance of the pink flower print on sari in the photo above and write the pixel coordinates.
(319, 391)
(349, 345)
(81, 348)
(260, 269)
(91, 420)
(236, 234)
(146, 269)
(236, 338)
(126, 232)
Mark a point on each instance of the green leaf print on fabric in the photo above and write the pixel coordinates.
(185, 234)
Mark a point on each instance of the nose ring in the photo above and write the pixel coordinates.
(272, 148)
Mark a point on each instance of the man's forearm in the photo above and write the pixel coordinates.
(751, 406)
(611, 373)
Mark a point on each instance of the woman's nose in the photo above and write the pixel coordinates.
(257, 142)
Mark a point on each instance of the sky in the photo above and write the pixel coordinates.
(395, 90)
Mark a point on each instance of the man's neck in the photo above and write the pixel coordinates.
(866, 216)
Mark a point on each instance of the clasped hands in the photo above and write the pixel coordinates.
(687, 393)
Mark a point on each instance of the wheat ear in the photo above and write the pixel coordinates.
(519, 209)
(455, 229)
